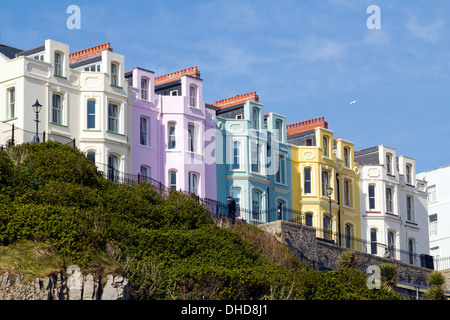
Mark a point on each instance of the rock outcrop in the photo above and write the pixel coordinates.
(64, 286)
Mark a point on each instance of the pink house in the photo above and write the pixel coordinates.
(173, 131)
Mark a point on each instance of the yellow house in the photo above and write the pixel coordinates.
(323, 169)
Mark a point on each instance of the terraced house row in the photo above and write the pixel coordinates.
(159, 129)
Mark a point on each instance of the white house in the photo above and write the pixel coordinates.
(393, 205)
(84, 96)
(438, 181)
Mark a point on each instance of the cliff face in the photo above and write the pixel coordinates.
(64, 286)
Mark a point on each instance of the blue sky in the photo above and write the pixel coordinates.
(304, 58)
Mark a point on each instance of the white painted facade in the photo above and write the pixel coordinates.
(394, 210)
(438, 182)
(33, 76)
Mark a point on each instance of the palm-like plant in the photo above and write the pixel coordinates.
(436, 292)
(347, 260)
(389, 275)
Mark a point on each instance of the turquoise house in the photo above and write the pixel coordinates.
(252, 159)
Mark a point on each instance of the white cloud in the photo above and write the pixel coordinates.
(430, 32)
(315, 49)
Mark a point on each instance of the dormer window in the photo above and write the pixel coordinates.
(114, 74)
(408, 173)
(255, 118)
(58, 64)
(326, 152)
(279, 129)
(346, 157)
(193, 96)
(389, 163)
(144, 88)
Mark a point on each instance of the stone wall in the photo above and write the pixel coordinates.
(63, 286)
(304, 244)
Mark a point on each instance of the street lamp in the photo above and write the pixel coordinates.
(330, 192)
(37, 108)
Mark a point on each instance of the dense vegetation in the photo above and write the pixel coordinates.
(169, 248)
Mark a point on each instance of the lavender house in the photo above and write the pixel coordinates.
(173, 131)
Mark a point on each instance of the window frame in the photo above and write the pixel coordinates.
(281, 175)
(193, 182)
(193, 96)
(114, 74)
(372, 197)
(172, 174)
(192, 138)
(346, 157)
(57, 108)
(113, 117)
(307, 182)
(325, 145)
(11, 103)
(58, 63)
(258, 155)
(171, 136)
(389, 199)
(237, 156)
(256, 116)
(90, 115)
(324, 192)
(389, 163)
(144, 133)
(144, 88)
(410, 208)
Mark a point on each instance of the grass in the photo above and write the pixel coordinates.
(39, 260)
(30, 259)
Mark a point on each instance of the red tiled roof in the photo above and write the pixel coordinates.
(238, 99)
(89, 53)
(306, 125)
(193, 72)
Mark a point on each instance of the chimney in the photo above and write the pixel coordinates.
(89, 53)
(193, 72)
(306, 125)
(238, 99)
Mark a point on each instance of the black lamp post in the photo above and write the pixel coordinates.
(330, 192)
(37, 108)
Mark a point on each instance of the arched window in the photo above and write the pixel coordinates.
(348, 230)
(58, 64)
(391, 243)
(327, 228)
(90, 119)
(307, 180)
(373, 241)
(144, 88)
(326, 152)
(91, 156)
(309, 219)
(281, 209)
(114, 74)
(193, 183)
(236, 155)
(256, 204)
(193, 96)
(256, 118)
(347, 157)
(411, 251)
(57, 108)
(173, 180)
(408, 173)
(389, 163)
(113, 168)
